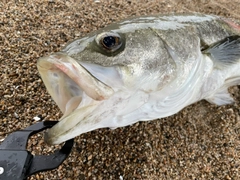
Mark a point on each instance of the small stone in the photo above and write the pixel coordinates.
(36, 118)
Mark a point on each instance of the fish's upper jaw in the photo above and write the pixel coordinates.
(67, 82)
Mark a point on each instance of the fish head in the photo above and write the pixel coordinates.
(93, 78)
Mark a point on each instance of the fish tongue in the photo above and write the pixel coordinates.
(72, 104)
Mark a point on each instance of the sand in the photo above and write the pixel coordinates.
(200, 142)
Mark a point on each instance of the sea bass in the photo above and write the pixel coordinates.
(141, 69)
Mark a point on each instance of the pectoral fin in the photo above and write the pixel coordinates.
(222, 96)
(225, 52)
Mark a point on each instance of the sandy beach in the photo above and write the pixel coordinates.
(200, 142)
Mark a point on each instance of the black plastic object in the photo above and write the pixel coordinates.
(16, 163)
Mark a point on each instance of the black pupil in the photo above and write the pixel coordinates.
(109, 41)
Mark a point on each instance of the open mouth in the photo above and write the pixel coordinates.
(77, 90)
(69, 83)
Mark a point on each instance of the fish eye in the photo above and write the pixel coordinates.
(110, 41)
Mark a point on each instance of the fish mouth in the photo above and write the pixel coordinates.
(76, 91)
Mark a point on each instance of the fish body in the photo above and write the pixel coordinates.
(141, 69)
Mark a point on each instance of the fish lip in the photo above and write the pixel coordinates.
(64, 66)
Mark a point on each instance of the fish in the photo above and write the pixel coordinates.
(140, 69)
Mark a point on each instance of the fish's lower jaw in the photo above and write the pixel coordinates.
(92, 115)
(48, 139)
(65, 129)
